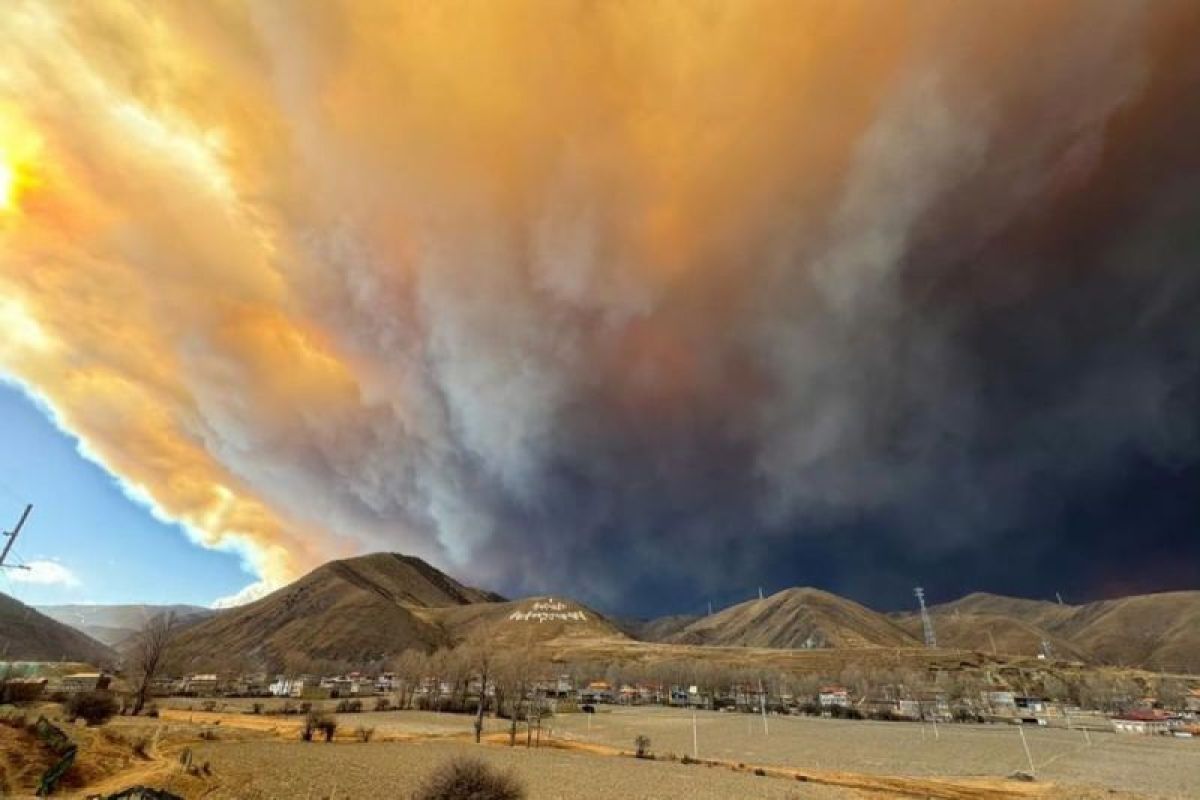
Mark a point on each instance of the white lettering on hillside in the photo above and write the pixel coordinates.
(548, 610)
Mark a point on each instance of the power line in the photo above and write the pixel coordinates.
(12, 539)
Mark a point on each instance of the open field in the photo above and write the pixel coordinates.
(1152, 765)
(824, 749)
(253, 770)
(586, 756)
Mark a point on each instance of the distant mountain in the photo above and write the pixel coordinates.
(28, 635)
(1155, 631)
(658, 629)
(115, 624)
(796, 618)
(353, 611)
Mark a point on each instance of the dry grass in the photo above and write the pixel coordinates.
(1151, 765)
(282, 769)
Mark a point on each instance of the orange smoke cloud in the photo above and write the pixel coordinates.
(305, 275)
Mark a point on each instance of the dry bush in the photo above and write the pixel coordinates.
(383, 704)
(642, 743)
(364, 733)
(470, 779)
(348, 706)
(315, 721)
(95, 708)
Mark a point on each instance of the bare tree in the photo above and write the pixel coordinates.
(148, 653)
(479, 656)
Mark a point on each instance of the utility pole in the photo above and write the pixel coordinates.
(926, 621)
(12, 538)
(760, 594)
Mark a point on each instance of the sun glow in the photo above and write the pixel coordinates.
(8, 183)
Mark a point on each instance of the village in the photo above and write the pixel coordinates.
(578, 691)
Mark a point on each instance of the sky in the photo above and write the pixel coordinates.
(86, 540)
(648, 303)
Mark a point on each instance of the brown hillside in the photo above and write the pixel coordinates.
(1040, 613)
(354, 611)
(983, 632)
(796, 618)
(659, 629)
(1155, 631)
(28, 635)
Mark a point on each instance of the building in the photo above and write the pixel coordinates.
(596, 692)
(84, 682)
(1144, 722)
(830, 696)
(22, 690)
(201, 685)
(999, 701)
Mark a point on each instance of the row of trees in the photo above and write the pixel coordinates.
(511, 675)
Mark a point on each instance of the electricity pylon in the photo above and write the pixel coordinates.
(926, 621)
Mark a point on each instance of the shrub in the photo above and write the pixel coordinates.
(383, 704)
(141, 746)
(152, 712)
(256, 708)
(642, 743)
(348, 706)
(208, 705)
(364, 733)
(208, 734)
(316, 721)
(305, 707)
(760, 772)
(95, 708)
(469, 779)
(287, 708)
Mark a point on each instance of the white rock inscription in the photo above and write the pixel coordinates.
(548, 610)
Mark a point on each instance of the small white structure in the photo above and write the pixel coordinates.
(1143, 722)
(830, 696)
(201, 684)
(81, 682)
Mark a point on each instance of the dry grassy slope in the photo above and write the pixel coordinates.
(1159, 631)
(1009, 635)
(794, 617)
(658, 629)
(353, 611)
(1041, 613)
(28, 635)
(1156, 631)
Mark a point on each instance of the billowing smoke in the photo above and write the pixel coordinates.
(639, 301)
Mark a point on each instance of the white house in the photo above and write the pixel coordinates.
(829, 696)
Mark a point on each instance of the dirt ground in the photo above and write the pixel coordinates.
(389, 770)
(1156, 766)
(587, 756)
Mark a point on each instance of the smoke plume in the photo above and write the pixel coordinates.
(642, 301)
